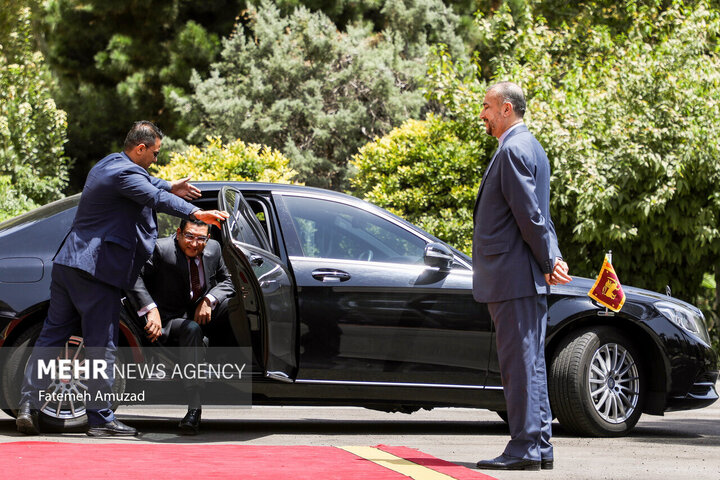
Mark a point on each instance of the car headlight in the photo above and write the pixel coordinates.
(689, 320)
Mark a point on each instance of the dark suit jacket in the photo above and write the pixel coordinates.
(165, 279)
(115, 227)
(514, 240)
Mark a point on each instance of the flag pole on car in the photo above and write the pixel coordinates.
(607, 289)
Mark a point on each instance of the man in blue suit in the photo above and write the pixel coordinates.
(111, 238)
(515, 260)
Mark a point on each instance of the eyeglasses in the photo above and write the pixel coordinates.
(192, 238)
(155, 153)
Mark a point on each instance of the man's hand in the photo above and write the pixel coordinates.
(559, 275)
(153, 327)
(183, 189)
(211, 217)
(203, 312)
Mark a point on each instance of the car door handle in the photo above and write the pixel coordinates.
(330, 275)
(256, 260)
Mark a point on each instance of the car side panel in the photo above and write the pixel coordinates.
(31, 247)
(390, 323)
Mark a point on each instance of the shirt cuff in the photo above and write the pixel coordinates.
(146, 310)
(549, 266)
(213, 300)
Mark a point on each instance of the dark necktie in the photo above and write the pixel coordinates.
(195, 280)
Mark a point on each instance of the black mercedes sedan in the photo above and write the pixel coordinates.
(344, 303)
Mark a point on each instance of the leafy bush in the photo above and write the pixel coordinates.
(629, 122)
(425, 173)
(33, 169)
(233, 161)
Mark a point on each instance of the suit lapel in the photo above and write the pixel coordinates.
(482, 182)
(519, 129)
(182, 265)
(204, 261)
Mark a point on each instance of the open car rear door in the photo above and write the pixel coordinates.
(265, 284)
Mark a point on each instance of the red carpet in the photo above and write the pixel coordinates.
(31, 460)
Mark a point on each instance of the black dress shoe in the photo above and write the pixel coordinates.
(190, 424)
(27, 420)
(506, 462)
(114, 429)
(546, 464)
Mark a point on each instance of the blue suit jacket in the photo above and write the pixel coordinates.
(514, 240)
(115, 227)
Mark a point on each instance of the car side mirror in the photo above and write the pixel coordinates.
(438, 255)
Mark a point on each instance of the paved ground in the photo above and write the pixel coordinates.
(681, 445)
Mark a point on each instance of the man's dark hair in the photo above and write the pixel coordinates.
(144, 132)
(512, 93)
(199, 223)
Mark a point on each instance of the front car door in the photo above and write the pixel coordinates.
(264, 284)
(370, 309)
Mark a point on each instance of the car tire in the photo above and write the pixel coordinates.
(597, 384)
(12, 377)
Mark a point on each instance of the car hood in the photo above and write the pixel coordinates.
(580, 287)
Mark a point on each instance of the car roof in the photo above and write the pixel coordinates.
(274, 187)
(285, 188)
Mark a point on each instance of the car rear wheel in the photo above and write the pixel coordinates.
(597, 386)
(68, 416)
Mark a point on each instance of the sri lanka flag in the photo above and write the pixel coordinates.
(607, 289)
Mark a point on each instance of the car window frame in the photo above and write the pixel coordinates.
(285, 218)
(252, 221)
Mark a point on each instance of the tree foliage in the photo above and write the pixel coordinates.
(118, 62)
(629, 123)
(33, 169)
(628, 120)
(427, 173)
(299, 85)
(232, 161)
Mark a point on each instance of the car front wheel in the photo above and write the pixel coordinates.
(596, 383)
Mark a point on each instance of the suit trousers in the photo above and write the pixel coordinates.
(78, 301)
(520, 326)
(187, 334)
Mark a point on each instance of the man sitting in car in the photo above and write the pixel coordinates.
(184, 290)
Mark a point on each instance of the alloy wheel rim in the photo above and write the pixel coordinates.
(67, 394)
(72, 407)
(613, 383)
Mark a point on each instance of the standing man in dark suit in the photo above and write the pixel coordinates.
(515, 260)
(184, 289)
(111, 238)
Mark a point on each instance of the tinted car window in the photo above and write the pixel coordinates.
(329, 229)
(260, 209)
(244, 225)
